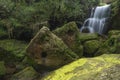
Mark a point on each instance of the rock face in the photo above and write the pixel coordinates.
(70, 35)
(27, 74)
(49, 50)
(104, 67)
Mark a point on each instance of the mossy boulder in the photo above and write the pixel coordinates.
(88, 36)
(26, 74)
(90, 47)
(2, 68)
(112, 73)
(96, 68)
(70, 35)
(49, 50)
(112, 44)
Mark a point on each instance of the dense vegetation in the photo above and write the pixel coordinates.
(25, 55)
(21, 19)
(115, 14)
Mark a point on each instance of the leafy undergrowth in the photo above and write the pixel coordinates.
(14, 47)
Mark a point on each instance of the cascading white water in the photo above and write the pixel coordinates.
(96, 22)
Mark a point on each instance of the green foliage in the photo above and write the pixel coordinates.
(2, 68)
(12, 47)
(62, 11)
(6, 7)
(115, 7)
(115, 17)
(33, 13)
(90, 47)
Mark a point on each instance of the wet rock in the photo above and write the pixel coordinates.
(70, 35)
(27, 74)
(49, 50)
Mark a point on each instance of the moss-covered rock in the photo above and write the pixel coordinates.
(88, 36)
(90, 47)
(112, 44)
(89, 69)
(49, 50)
(27, 74)
(112, 73)
(70, 35)
(2, 68)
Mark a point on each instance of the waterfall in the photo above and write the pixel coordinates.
(97, 20)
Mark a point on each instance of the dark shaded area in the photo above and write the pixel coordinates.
(23, 33)
(43, 54)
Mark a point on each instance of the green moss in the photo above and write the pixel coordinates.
(69, 33)
(85, 68)
(12, 50)
(3, 34)
(27, 74)
(113, 32)
(2, 68)
(90, 47)
(111, 45)
(71, 27)
(14, 46)
(115, 17)
(56, 51)
(88, 36)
